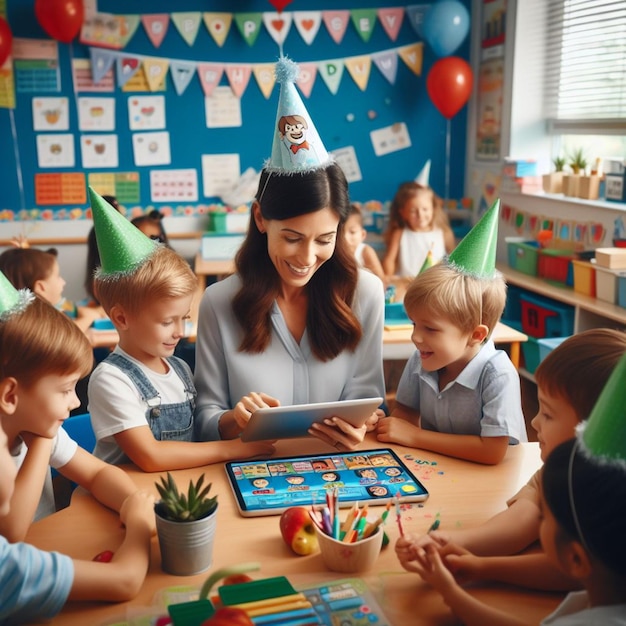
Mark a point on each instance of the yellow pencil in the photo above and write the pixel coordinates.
(258, 604)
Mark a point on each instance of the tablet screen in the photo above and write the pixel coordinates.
(365, 476)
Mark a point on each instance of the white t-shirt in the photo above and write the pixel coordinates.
(575, 611)
(63, 449)
(414, 246)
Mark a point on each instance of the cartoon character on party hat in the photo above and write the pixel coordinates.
(476, 253)
(297, 146)
(122, 246)
(12, 300)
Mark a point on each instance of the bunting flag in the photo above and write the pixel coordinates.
(364, 21)
(264, 75)
(416, 13)
(182, 72)
(188, 25)
(306, 78)
(129, 25)
(308, 24)
(336, 23)
(155, 25)
(249, 25)
(278, 25)
(359, 68)
(331, 72)
(238, 77)
(210, 75)
(391, 21)
(218, 25)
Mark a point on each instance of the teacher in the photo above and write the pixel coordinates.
(298, 322)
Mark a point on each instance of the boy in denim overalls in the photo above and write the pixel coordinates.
(141, 397)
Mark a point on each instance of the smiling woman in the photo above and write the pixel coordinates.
(298, 321)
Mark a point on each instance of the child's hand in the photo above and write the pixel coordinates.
(406, 551)
(395, 429)
(237, 449)
(139, 507)
(373, 419)
(249, 404)
(461, 562)
(338, 433)
(431, 568)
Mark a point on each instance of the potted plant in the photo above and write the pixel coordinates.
(185, 526)
(553, 182)
(578, 164)
(589, 185)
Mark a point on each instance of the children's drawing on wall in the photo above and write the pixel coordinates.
(494, 26)
(488, 128)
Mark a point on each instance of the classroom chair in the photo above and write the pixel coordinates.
(78, 427)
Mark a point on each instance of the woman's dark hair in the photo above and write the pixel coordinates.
(599, 494)
(331, 324)
(156, 218)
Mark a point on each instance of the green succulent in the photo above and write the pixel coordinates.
(178, 507)
(577, 161)
(559, 163)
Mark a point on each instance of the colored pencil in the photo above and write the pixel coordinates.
(399, 516)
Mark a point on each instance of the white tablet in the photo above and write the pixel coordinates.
(286, 422)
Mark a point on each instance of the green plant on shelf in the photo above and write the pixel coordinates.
(559, 163)
(578, 161)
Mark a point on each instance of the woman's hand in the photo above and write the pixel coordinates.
(372, 420)
(249, 404)
(338, 433)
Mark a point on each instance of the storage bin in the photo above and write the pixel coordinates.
(621, 289)
(530, 350)
(395, 314)
(513, 307)
(523, 255)
(555, 265)
(544, 317)
(547, 345)
(584, 278)
(606, 284)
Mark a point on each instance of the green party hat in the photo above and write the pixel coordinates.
(428, 262)
(122, 246)
(476, 254)
(12, 301)
(603, 435)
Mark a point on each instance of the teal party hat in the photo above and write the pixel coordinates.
(12, 300)
(476, 253)
(603, 435)
(122, 246)
(297, 146)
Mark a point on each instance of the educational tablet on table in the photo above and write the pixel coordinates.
(370, 477)
(286, 422)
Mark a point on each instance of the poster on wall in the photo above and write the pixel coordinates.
(489, 109)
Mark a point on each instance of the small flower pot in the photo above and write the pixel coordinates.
(186, 547)
(571, 183)
(589, 187)
(553, 182)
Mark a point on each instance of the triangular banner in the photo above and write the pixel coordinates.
(387, 63)
(412, 56)
(187, 23)
(156, 25)
(101, 62)
(331, 72)
(155, 71)
(218, 25)
(278, 25)
(360, 68)
(265, 78)
(127, 67)
(182, 72)
(238, 77)
(306, 78)
(391, 21)
(210, 75)
(416, 13)
(364, 21)
(128, 28)
(308, 24)
(336, 23)
(249, 25)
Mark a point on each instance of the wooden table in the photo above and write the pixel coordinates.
(397, 342)
(462, 493)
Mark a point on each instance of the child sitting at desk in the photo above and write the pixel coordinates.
(42, 356)
(583, 505)
(458, 395)
(141, 397)
(569, 381)
(38, 270)
(35, 584)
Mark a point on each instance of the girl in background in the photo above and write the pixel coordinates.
(364, 254)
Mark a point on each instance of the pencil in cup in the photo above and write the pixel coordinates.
(350, 556)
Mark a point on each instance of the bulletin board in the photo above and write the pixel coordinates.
(150, 123)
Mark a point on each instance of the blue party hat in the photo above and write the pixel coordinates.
(297, 146)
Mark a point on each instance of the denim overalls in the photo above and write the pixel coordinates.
(166, 421)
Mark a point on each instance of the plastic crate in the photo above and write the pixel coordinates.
(584, 278)
(547, 345)
(395, 314)
(530, 350)
(621, 290)
(523, 255)
(556, 266)
(544, 317)
(606, 284)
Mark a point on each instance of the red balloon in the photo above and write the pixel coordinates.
(61, 19)
(6, 39)
(449, 85)
(279, 5)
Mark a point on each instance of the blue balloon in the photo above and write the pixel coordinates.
(445, 26)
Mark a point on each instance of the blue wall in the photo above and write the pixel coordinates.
(405, 101)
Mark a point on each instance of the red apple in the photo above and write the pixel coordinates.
(298, 530)
(227, 616)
